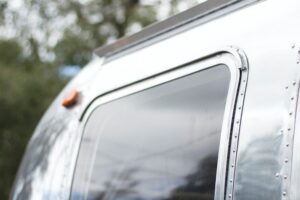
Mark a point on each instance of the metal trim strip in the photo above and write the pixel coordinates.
(165, 26)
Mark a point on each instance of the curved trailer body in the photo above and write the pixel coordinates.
(231, 66)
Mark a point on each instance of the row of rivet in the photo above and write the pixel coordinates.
(286, 171)
(288, 138)
(298, 53)
(235, 131)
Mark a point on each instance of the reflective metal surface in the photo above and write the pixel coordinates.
(267, 40)
(267, 32)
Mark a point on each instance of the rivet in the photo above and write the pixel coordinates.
(285, 177)
(294, 83)
(293, 46)
(244, 81)
(286, 160)
(229, 195)
(277, 174)
(284, 193)
(281, 131)
(287, 87)
(298, 62)
(244, 68)
(233, 151)
(232, 166)
(235, 136)
(237, 122)
(292, 98)
(240, 108)
(289, 129)
(231, 180)
(242, 94)
(290, 113)
(287, 145)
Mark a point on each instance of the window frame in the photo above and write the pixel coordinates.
(236, 61)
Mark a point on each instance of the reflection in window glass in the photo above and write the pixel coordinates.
(158, 144)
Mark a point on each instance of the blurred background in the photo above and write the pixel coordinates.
(43, 44)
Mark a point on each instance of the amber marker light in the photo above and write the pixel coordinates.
(71, 99)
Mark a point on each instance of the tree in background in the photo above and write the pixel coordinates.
(65, 31)
(37, 38)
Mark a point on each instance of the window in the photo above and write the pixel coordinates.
(161, 143)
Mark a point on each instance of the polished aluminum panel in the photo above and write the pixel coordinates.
(267, 32)
(267, 41)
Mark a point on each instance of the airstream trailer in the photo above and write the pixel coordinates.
(200, 106)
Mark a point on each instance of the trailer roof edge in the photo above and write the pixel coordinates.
(164, 26)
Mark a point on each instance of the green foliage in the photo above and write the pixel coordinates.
(95, 23)
(73, 50)
(10, 52)
(3, 5)
(73, 28)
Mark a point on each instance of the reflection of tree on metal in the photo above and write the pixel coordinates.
(47, 133)
(120, 186)
(141, 132)
(272, 165)
(198, 184)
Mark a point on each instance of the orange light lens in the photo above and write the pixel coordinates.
(71, 99)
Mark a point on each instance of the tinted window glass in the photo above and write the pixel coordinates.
(158, 144)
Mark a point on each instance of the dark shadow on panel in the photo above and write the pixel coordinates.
(200, 184)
